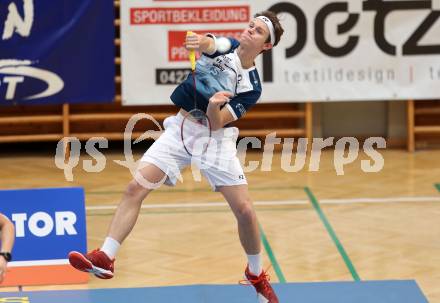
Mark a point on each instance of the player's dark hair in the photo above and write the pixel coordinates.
(276, 25)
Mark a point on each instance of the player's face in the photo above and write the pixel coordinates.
(255, 35)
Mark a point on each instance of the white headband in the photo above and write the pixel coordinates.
(270, 26)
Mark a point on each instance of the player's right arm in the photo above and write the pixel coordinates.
(201, 43)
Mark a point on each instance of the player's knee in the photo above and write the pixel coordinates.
(134, 189)
(246, 214)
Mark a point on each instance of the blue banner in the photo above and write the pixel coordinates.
(49, 223)
(56, 51)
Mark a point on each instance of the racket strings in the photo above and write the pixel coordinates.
(196, 134)
(199, 117)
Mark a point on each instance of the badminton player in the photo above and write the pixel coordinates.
(228, 85)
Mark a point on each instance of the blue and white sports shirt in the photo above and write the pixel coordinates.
(220, 72)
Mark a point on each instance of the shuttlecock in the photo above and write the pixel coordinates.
(223, 45)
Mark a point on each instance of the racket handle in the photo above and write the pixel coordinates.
(192, 53)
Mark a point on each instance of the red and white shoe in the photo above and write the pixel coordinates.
(265, 292)
(95, 262)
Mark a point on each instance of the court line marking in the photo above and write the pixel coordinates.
(332, 234)
(38, 263)
(191, 190)
(271, 255)
(208, 204)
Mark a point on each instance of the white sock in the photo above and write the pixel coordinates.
(110, 247)
(255, 264)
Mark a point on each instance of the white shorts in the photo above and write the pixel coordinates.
(219, 164)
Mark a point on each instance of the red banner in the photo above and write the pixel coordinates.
(184, 15)
(176, 50)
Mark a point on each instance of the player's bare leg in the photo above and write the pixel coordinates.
(101, 262)
(127, 212)
(241, 205)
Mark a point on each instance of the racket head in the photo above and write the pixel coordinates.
(195, 132)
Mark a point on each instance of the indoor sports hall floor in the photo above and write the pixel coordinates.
(316, 227)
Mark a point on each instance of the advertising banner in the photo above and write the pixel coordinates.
(49, 223)
(330, 51)
(56, 51)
